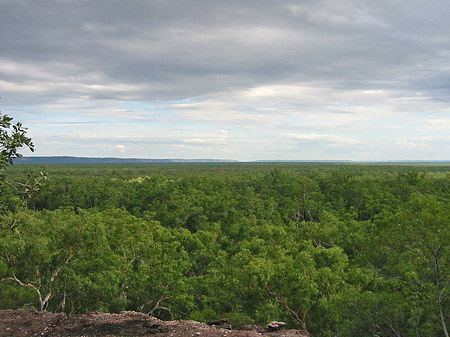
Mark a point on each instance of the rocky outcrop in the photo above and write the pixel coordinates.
(26, 323)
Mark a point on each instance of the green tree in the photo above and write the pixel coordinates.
(418, 239)
(13, 137)
(35, 249)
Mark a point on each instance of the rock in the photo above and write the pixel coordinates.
(27, 323)
(274, 326)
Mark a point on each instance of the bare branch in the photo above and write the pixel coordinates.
(158, 307)
(301, 321)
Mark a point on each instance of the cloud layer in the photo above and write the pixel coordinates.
(257, 79)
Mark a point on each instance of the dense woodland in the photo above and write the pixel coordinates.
(337, 250)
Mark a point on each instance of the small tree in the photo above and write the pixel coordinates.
(13, 137)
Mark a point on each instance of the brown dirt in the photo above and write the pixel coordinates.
(27, 323)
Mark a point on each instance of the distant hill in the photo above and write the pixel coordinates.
(93, 160)
(89, 160)
(303, 161)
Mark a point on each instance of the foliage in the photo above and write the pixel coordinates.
(337, 250)
(13, 137)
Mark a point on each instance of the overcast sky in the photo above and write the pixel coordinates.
(228, 79)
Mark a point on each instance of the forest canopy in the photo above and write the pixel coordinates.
(336, 250)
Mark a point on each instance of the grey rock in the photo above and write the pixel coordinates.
(274, 326)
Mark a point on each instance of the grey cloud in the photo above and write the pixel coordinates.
(179, 49)
(332, 66)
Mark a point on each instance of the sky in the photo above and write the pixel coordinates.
(227, 79)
